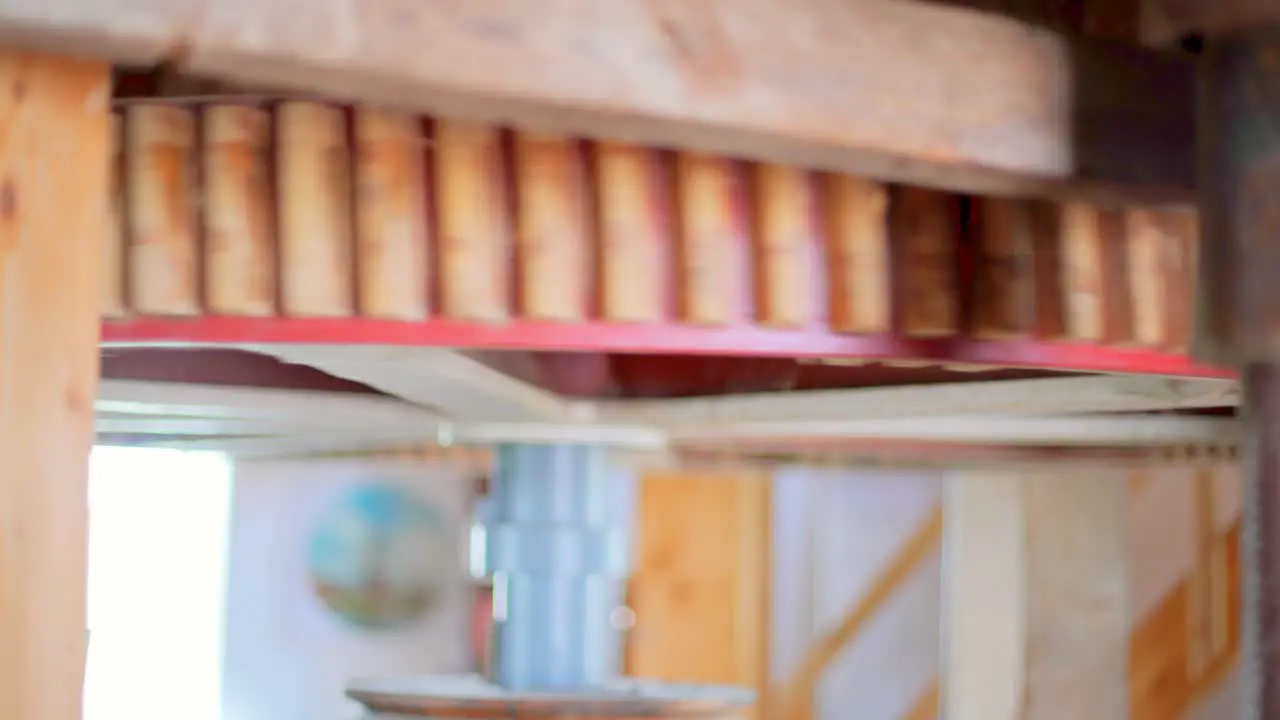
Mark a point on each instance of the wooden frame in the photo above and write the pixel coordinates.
(805, 262)
(55, 135)
(819, 88)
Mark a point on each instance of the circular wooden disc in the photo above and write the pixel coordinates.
(440, 696)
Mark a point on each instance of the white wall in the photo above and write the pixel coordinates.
(834, 529)
(286, 656)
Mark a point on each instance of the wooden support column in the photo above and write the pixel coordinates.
(55, 126)
(1036, 612)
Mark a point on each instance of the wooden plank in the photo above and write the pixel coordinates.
(1164, 682)
(1036, 610)
(758, 79)
(1121, 21)
(313, 170)
(163, 205)
(926, 705)
(1222, 612)
(1005, 269)
(1199, 582)
(1078, 611)
(1179, 267)
(475, 236)
(1160, 687)
(55, 150)
(1147, 278)
(857, 229)
(391, 200)
(1161, 247)
(239, 221)
(784, 241)
(701, 571)
(552, 245)
(114, 299)
(984, 658)
(1117, 296)
(925, 231)
(634, 242)
(1083, 256)
(709, 267)
(1167, 22)
(1050, 274)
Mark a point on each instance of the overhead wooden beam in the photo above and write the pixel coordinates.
(1063, 430)
(1059, 396)
(1166, 22)
(804, 263)
(876, 87)
(55, 135)
(144, 398)
(460, 387)
(1036, 610)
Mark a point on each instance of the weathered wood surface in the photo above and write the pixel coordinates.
(240, 249)
(870, 87)
(368, 213)
(162, 199)
(1165, 22)
(55, 146)
(1036, 607)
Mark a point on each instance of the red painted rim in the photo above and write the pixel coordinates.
(654, 338)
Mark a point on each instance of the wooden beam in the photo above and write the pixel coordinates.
(462, 388)
(873, 87)
(1058, 431)
(926, 705)
(301, 407)
(1036, 613)
(55, 146)
(1166, 22)
(1059, 396)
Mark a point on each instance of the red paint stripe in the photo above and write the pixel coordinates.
(654, 338)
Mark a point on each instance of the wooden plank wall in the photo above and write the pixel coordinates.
(304, 209)
(1188, 644)
(704, 542)
(700, 588)
(1168, 667)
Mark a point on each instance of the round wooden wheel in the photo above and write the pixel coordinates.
(472, 697)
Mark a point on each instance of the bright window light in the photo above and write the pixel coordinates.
(158, 535)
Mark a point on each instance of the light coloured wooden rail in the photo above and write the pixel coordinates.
(309, 210)
(1179, 653)
(927, 705)
(794, 699)
(1173, 663)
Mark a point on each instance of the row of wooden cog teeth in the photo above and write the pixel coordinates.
(311, 210)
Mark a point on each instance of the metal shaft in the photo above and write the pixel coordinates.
(1239, 318)
(557, 551)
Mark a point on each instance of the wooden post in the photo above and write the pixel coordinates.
(55, 130)
(1036, 613)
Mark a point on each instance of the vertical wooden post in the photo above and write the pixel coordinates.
(55, 130)
(1036, 613)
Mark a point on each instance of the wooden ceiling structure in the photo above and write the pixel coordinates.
(653, 223)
